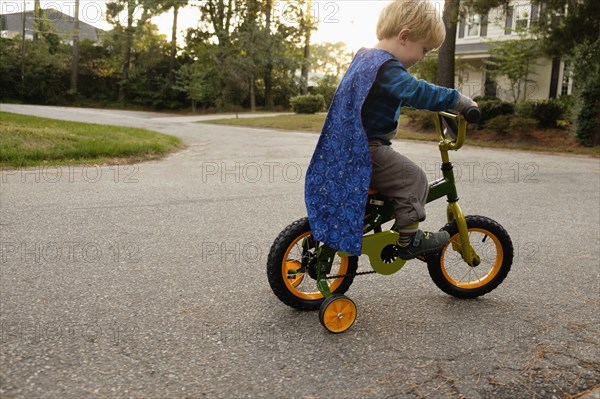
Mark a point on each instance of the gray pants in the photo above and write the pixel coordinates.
(398, 178)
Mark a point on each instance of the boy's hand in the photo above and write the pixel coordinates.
(464, 102)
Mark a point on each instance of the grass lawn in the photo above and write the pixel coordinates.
(535, 140)
(31, 141)
(300, 123)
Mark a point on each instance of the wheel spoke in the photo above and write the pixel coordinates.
(466, 274)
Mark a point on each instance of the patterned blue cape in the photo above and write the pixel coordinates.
(337, 179)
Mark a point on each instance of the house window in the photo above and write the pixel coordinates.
(522, 13)
(473, 25)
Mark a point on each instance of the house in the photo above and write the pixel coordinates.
(550, 78)
(64, 25)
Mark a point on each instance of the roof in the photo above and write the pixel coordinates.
(63, 24)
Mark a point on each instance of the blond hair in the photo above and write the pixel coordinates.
(422, 17)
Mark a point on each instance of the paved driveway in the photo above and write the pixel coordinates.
(148, 280)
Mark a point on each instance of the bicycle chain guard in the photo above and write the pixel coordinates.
(373, 245)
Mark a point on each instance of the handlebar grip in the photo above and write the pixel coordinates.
(472, 114)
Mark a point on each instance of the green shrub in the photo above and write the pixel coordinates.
(490, 109)
(546, 112)
(499, 123)
(418, 118)
(504, 124)
(567, 103)
(307, 104)
(587, 88)
(327, 87)
(521, 123)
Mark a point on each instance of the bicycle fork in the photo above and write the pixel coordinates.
(446, 187)
(463, 246)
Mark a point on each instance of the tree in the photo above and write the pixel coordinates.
(268, 71)
(176, 5)
(451, 15)
(37, 17)
(197, 82)
(514, 59)
(565, 24)
(445, 74)
(218, 16)
(162, 7)
(45, 74)
(330, 58)
(571, 29)
(75, 60)
(587, 86)
(307, 25)
(131, 8)
(249, 41)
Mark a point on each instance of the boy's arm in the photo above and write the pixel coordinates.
(419, 94)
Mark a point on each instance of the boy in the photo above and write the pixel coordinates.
(354, 150)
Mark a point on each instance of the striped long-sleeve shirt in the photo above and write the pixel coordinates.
(395, 87)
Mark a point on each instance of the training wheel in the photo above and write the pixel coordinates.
(337, 313)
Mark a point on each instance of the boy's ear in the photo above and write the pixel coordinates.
(403, 36)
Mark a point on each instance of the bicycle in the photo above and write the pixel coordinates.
(475, 261)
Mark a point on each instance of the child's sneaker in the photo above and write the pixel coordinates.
(420, 243)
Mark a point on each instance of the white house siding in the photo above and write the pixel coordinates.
(473, 52)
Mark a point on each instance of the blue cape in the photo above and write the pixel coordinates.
(337, 179)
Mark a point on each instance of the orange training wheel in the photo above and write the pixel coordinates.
(337, 313)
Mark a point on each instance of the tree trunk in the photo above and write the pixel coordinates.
(173, 44)
(252, 94)
(37, 16)
(306, 59)
(23, 20)
(75, 62)
(305, 64)
(127, 56)
(445, 71)
(268, 78)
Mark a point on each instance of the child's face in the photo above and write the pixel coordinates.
(409, 51)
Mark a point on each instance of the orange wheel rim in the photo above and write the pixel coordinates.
(491, 257)
(339, 315)
(293, 281)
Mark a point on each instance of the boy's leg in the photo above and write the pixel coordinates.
(397, 177)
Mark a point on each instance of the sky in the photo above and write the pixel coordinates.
(349, 21)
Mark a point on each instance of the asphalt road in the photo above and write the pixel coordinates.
(148, 280)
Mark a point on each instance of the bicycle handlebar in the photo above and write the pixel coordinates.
(452, 128)
(472, 114)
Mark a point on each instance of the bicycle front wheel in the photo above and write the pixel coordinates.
(493, 245)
